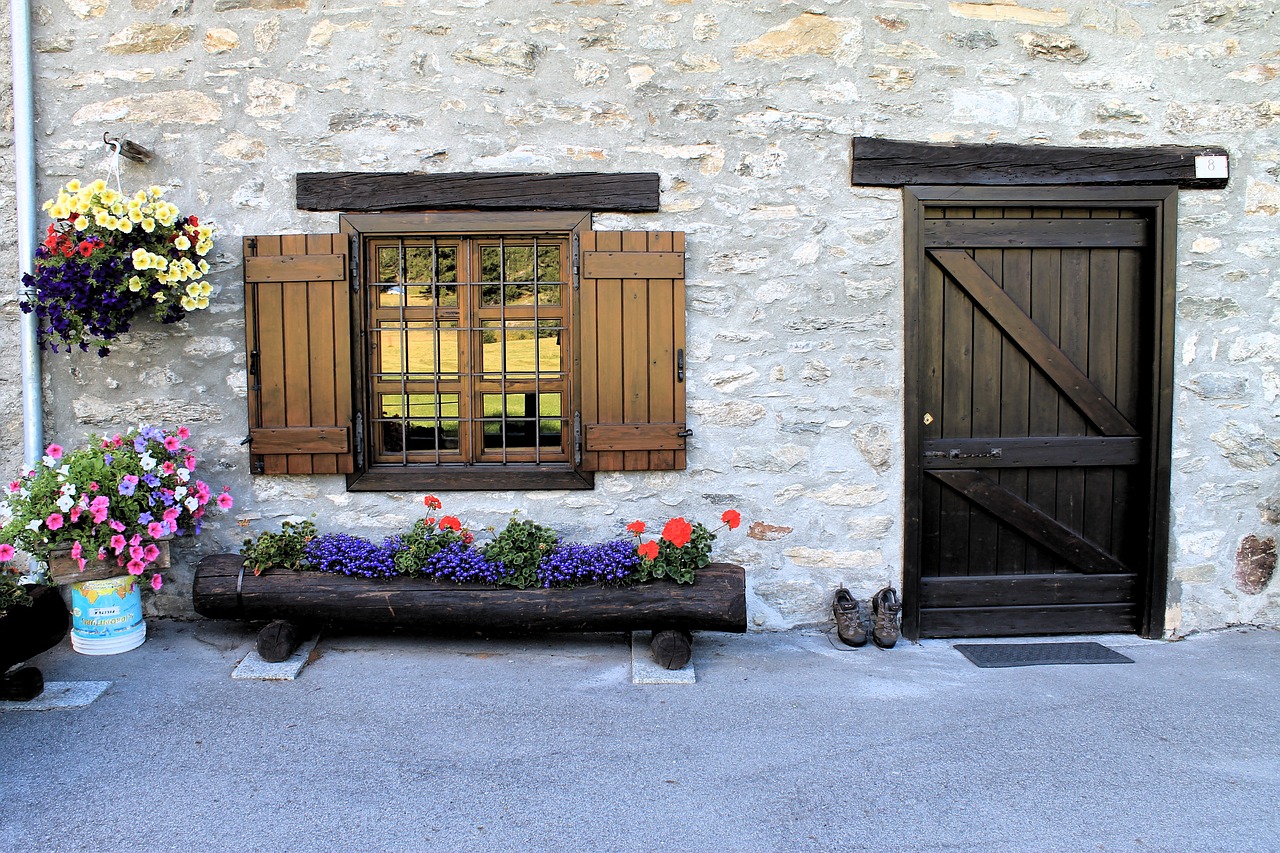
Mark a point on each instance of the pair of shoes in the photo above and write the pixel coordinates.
(848, 623)
(885, 607)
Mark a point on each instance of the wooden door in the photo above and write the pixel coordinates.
(1037, 412)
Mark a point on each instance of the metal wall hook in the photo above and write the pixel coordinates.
(128, 149)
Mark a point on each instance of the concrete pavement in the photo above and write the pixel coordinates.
(785, 742)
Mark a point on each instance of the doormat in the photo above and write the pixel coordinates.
(990, 655)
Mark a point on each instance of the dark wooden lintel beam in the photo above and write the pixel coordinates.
(633, 192)
(896, 163)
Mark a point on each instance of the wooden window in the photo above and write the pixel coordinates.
(468, 349)
(480, 351)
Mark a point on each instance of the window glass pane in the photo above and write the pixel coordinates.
(550, 336)
(519, 263)
(549, 263)
(447, 265)
(490, 263)
(388, 264)
(418, 264)
(388, 297)
(548, 294)
(412, 348)
(525, 351)
(390, 348)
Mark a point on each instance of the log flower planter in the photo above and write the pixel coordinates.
(224, 589)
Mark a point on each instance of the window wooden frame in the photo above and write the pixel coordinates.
(307, 342)
(470, 228)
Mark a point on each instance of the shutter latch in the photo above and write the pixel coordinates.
(253, 370)
(679, 365)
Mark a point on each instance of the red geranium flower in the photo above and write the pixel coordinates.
(677, 531)
(431, 502)
(732, 518)
(648, 550)
(450, 522)
(636, 527)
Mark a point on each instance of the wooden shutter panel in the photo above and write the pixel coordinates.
(298, 329)
(631, 321)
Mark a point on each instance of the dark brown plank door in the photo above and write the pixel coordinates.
(631, 327)
(1034, 331)
(298, 332)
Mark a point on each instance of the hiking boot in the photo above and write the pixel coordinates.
(848, 623)
(885, 607)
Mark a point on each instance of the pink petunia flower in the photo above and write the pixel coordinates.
(157, 582)
(150, 553)
(54, 521)
(155, 530)
(137, 552)
(172, 513)
(225, 501)
(184, 433)
(117, 526)
(6, 552)
(77, 549)
(136, 567)
(54, 451)
(15, 486)
(117, 543)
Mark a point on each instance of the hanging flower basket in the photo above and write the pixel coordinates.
(110, 257)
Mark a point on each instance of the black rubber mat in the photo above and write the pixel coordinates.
(1034, 654)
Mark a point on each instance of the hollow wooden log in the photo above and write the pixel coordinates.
(63, 569)
(672, 649)
(277, 641)
(223, 590)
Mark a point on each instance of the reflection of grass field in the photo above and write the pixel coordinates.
(521, 354)
(422, 406)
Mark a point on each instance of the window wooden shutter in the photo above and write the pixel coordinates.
(631, 321)
(298, 328)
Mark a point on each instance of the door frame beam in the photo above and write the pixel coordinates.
(1161, 204)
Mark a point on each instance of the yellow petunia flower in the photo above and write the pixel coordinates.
(148, 224)
(182, 243)
(141, 259)
(202, 302)
(135, 283)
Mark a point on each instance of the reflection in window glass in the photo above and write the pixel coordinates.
(468, 350)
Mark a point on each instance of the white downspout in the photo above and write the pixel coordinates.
(24, 137)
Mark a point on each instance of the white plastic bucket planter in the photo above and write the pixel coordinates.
(106, 616)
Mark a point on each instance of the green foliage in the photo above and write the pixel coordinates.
(283, 550)
(520, 546)
(12, 592)
(422, 541)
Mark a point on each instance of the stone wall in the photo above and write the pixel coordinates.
(795, 316)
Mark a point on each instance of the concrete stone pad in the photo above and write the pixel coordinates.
(254, 667)
(61, 695)
(646, 670)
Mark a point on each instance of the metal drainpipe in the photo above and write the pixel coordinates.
(24, 138)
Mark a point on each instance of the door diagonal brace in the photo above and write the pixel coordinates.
(1033, 523)
(1024, 332)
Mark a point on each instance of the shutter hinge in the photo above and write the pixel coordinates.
(577, 438)
(258, 466)
(359, 441)
(254, 367)
(354, 257)
(577, 263)
(252, 244)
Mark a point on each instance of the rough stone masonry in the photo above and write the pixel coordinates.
(795, 310)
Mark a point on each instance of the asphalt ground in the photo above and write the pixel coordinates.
(786, 742)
